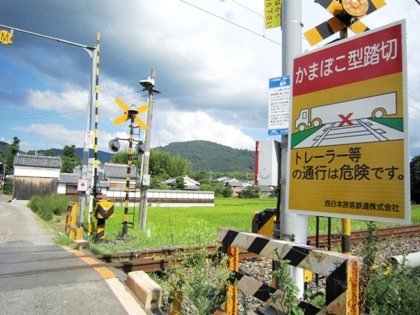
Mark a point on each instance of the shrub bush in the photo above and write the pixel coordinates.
(48, 206)
(201, 281)
(385, 288)
(394, 290)
(250, 192)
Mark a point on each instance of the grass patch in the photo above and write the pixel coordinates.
(176, 226)
(172, 226)
(415, 214)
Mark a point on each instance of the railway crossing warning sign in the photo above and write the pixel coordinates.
(129, 113)
(346, 14)
(349, 150)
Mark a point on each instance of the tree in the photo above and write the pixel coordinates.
(179, 183)
(163, 165)
(49, 153)
(159, 165)
(69, 159)
(415, 178)
(120, 157)
(179, 166)
(249, 192)
(13, 150)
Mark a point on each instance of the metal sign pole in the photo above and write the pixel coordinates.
(292, 226)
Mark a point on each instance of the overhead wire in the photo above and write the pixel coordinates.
(245, 7)
(230, 22)
(74, 110)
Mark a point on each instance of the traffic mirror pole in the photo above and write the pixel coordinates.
(92, 51)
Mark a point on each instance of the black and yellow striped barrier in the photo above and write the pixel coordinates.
(104, 209)
(263, 223)
(72, 231)
(341, 271)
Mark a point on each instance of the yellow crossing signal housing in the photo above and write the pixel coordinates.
(104, 209)
(128, 113)
(345, 15)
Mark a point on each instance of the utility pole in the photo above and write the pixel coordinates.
(149, 86)
(292, 226)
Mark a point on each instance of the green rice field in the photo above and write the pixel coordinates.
(176, 226)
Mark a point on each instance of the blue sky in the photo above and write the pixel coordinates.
(212, 71)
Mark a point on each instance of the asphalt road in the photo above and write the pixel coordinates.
(38, 277)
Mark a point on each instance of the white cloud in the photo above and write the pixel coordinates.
(56, 133)
(68, 102)
(208, 70)
(178, 126)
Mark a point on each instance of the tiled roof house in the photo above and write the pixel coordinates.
(116, 174)
(68, 182)
(189, 183)
(35, 175)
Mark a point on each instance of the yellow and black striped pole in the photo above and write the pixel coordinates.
(95, 145)
(345, 223)
(100, 226)
(132, 113)
(232, 291)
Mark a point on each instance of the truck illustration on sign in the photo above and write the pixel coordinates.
(378, 106)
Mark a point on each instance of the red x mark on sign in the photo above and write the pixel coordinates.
(345, 120)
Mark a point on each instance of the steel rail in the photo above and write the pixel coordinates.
(160, 259)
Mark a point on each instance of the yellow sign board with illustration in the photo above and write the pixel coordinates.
(6, 37)
(349, 151)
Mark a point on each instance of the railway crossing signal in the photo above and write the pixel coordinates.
(130, 113)
(346, 14)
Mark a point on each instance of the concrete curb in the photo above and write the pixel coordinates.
(145, 289)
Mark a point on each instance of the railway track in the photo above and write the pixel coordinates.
(357, 237)
(158, 260)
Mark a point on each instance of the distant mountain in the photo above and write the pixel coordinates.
(209, 156)
(4, 148)
(102, 156)
(204, 156)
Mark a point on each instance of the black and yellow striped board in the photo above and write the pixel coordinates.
(340, 20)
(265, 293)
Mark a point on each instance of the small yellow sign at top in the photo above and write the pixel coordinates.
(6, 37)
